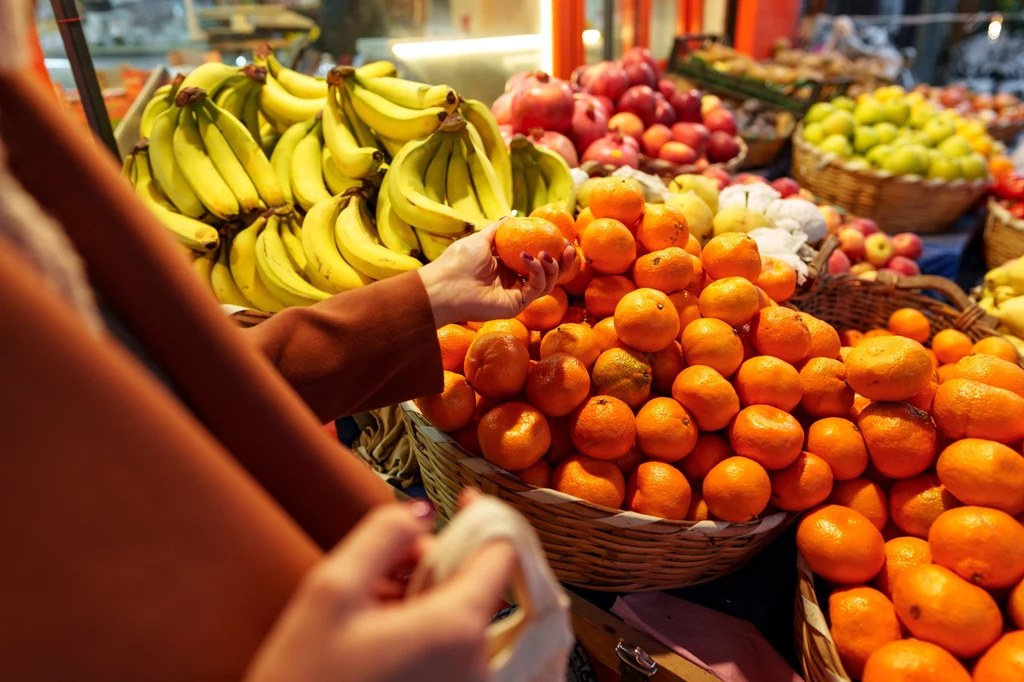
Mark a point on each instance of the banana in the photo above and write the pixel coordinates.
(393, 120)
(364, 135)
(165, 169)
(325, 267)
(268, 143)
(210, 77)
(128, 168)
(352, 159)
(190, 232)
(459, 187)
(232, 95)
(162, 100)
(434, 181)
(197, 167)
(406, 187)
(291, 235)
(224, 287)
(392, 147)
(298, 84)
(251, 113)
(486, 182)
(307, 176)
(520, 193)
(561, 188)
(536, 185)
(433, 245)
(281, 159)
(381, 69)
(480, 120)
(202, 265)
(337, 183)
(242, 260)
(409, 94)
(226, 163)
(284, 108)
(249, 154)
(278, 272)
(359, 243)
(395, 233)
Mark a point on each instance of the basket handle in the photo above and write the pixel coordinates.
(969, 312)
(819, 265)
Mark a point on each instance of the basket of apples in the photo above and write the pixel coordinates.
(1003, 238)
(864, 250)
(1002, 114)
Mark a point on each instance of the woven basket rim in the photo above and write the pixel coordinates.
(815, 623)
(1004, 216)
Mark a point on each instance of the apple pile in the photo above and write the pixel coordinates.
(865, 250)
(1008, 187)
(1002, 108)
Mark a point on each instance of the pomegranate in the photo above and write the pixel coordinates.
(663, 111)
(502, 108)
(640, 54)
(687, 105)
(640, 73)
(556, 142)
(577, 77)
(606, 79)
(667, 88)
(589, 121)
(515, 80)
(542, 102)
(639, 100)
(506, 132)
(627, 123)
(613, 149)
(607, 103)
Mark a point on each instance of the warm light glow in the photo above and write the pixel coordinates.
(995, 28)
(471, 46)
(591, 37)
(547, 35)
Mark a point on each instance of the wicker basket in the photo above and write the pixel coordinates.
(587, 545)
(1003, 239)
(761, 151)
(898, 203)
(819, 659)
(669, 170)
(1006, 132)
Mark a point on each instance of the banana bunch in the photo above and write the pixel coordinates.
(539, 177)
(1002, 296)
(161, 101)
(397, 110)
(288, 97)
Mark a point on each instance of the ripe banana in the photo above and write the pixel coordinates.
(520, 193)
(224, 287)
(226, 163)
(268, 143)
(232, 95)
(278, 272)
(459, 182)
(392, 147)
(359, 243)
(281, 159)
(162, 100)
(434, 182)
(381, 69)
(190, 232)
(298, 84)
(352, 159)
(307, 176)
(393, 120)
(486, 182)
(325, 267)
(561, 188)
(536, 185)
(433, 245)
(409, 94)
(128, 168)
(210, 77)
(337, 183)
(405, 180)
(481, 121)
(202, 265)
(242, 259)
(395, 233)
(165, 169)
(197, 167)
(291, 235)
(365, 136)
(249, 154)
(285, 109)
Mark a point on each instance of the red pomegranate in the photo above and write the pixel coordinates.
(640, 73)
(614, 149)
(542, 102)
(589, 121)
(639, 100)
(558, 143)
(502, 108)
(606, 79)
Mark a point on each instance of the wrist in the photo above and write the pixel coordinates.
(438, 294)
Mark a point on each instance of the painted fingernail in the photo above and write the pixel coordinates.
(547, 258)
(422, 509)
(527, 256)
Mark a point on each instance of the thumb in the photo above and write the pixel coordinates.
(482, 580)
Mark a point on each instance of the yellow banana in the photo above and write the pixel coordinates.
(281, 159)
(406, 186)
(535, 183)
(561, 188)
(243, 268)
(210, 77)
(395, 233)
(307, 176)
(432, 245)
(195, 235)
(481, 121)
(165, 169)
(359, 243)
(352, 159)
(284, 108)
(364, 135)
(336, 182)
(325, 267)
(202, 265)
(298, 84)
(520, 193)
(393, 120)
(268, 143)
(392, 147)
(278, 272)
(486, 182)
(226, 163)
(291, 235)
(409, 94)
(381, 69)
(250, 117)
(249, 154)
(434, 182)
(224, 287)
(232, 95)
(128, 168)
(459, 184)
(197, 167)
(162, 100)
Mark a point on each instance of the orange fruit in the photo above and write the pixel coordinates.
(545, 312)
(877, 332)
(782, 333)
(662, 227)
(777, 279)
(943, 372)
(840, 544)
(697, 282)
(698, 510)
(707, 396)
(497, 365)
(575, 268)
(607, 339)
(762, 299)
(864, 496)
(901, 439)
(609, 245)
(585, 217)
(825, 393)
(692, 246)
(911, 660)
(862, 620)
(454, 340)
(939, 606)
(933, 356)
(950, 345)
(468, 439)
(850, 337)
(838, 441)
(733, 254)
(577, 314)
(560, 218)
(737, 489)
(558, 384)
(971, 409)
(732, 299)
(900, 554)
(513, 327)
(983, 472)
(767, 435)
(1016, 605)
(514, 436)
(686, 305)
(538, 475)
(534, 346)
(604, 293)
(617, 198)
(708, 451)
(646, 320)
(603, 427)
(991, 371)
(998, 346)
(561, 444)
(825, 341)
(534, 236)
(926, 398)
(915, 503)
(805, 483)
(623, 373)
(983, 546)
(888, 368)
(658, 489)
(451, 409)
(630, 461)
(666, 365)
(764, 380)
(665, 430)
(586, 273)
(859, 403)
(577, 340)
(666, 270)
(911, 323)
(748, 347)
(712, 343)
(591, 480)
(1003, 661)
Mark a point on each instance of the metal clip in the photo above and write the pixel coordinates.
(637, 665)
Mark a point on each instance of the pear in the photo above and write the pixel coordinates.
(998, 276)
(1003, 294)
(1017, 342)
(738, 219)
(1011, 314)
(988, 304)
(698, 216)
(1015, 275)
(705, 188)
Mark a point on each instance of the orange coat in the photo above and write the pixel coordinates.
(151, 535)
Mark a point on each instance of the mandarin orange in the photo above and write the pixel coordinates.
(534, 236)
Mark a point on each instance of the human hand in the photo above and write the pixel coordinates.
(468, 283)
(347, 622)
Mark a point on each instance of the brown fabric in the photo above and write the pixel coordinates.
(144, 540)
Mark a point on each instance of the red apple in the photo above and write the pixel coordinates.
(832, 218)
(787, 187)
(718, 175)
(722, 146)
(640, 73)
(866, 226)
(747, 179)
(654, 138)
(807, 194)
(667, 88)
(904, 266)
(862, 268)
(722, 119)
(640, 54)
(908, 245)
(627, 123)
(639, 100)
(851, 242)
(878, 249)
(687, 105)
(663, 111)
(677, 152)
(693, 134)
(838, 262)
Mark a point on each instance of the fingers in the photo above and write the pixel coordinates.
(468, 496)
(481, 581)
(568, 256)
(536, 280)
(488, 232)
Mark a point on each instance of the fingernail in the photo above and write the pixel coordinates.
(526, 256)
(422, 509)
(547, 258)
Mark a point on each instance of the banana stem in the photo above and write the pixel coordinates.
(190, 96)
(256, 72)
(452, 123)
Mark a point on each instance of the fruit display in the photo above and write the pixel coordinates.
(865, 250)
(1007, 186)
(1002, 109)
(1002, 296)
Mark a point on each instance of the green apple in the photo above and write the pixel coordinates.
(942, 166)
(858, 163)
(818, 112)
(814, 133)
(839, 122)
(938, 129)
(955, 146)
(837, 144)
(924, 158)
(903, 161)
(877, 155)
(974, 166)
(896, 111)
(844, 102)
(887, 132)
(864, 138)
(869, 111)
(920, 114)
(922, 138)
